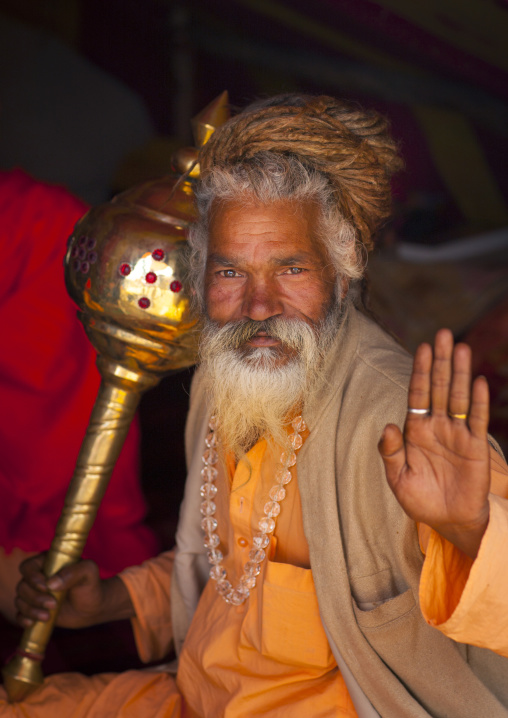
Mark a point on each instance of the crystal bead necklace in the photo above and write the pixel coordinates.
(236, 596)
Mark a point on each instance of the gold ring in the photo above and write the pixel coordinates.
(457, 416)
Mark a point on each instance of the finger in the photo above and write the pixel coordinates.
(419, 385)
(34, 597)
(479, 411)
(28, 614)
(460, 392)
(32, 573)
(32, 605)
(391, 448)
(441, 372)
(74, 575)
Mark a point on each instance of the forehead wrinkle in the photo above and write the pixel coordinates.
(292, 259)
(216, 258)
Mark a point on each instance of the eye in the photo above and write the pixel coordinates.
(294, 270)
(228, 273)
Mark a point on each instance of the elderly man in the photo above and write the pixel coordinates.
(315, 574)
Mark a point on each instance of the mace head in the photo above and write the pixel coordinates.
(126, 269)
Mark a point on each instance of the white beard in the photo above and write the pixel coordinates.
(255, 392)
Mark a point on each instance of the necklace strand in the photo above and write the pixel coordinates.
(261, 540)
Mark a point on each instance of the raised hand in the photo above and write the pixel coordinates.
(89, 600)
(439, 467)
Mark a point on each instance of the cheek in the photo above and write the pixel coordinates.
(311, 299)
(220, 300)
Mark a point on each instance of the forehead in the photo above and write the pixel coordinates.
(281, 225)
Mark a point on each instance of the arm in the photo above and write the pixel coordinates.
(149, 587)
(444, 474)
(468, 603)
(141, 593)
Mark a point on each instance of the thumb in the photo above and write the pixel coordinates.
(391, 448)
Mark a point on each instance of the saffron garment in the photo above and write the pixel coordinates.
(235, 663)
(48, 385)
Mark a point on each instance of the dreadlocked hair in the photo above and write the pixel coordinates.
(350, 146)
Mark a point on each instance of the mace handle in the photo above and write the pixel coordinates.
(109, 423)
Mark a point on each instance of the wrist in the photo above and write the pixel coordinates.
(116, 603)
(466, 536)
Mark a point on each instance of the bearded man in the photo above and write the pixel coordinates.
(336, 578)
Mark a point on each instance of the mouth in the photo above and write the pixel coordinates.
(263, 339)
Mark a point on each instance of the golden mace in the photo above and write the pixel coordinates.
(126, 270)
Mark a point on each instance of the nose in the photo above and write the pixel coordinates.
(261, 300)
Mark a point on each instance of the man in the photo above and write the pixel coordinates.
(315, 560)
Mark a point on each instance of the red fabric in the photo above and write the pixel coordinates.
(48, 384)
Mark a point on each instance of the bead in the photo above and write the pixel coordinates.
(243, 590)
(215, 556)
(217, 573)
(158, 255)
(175, 286)
(210, 456)
(296, 441)
(144, 303)
(125, 269)
(92, 257)
(213, 423)
(235, 597)
(257, 555)
(208, 491)
(211, 440)
(82, 241)
(260, 541)
(288, 458)
(272, 508)
(223, 587)
(267, 525)
(151, 277)
(77, 265)
(298, 424)
(208, 508)
(283, 476)
(277, 493)
(209, 473)
(91, 243)
(212, 541)
(242, 542)
(252, 568)
(209, 524)
(82, 253)
(248, 581)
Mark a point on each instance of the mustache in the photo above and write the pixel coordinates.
(288, 331)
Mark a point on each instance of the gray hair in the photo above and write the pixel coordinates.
(269, 177)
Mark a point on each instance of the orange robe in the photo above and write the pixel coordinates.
(269, 656)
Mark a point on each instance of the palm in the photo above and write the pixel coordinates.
(439, 468)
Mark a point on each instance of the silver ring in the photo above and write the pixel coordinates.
(420, 412)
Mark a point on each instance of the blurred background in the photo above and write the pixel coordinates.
(96, 95)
